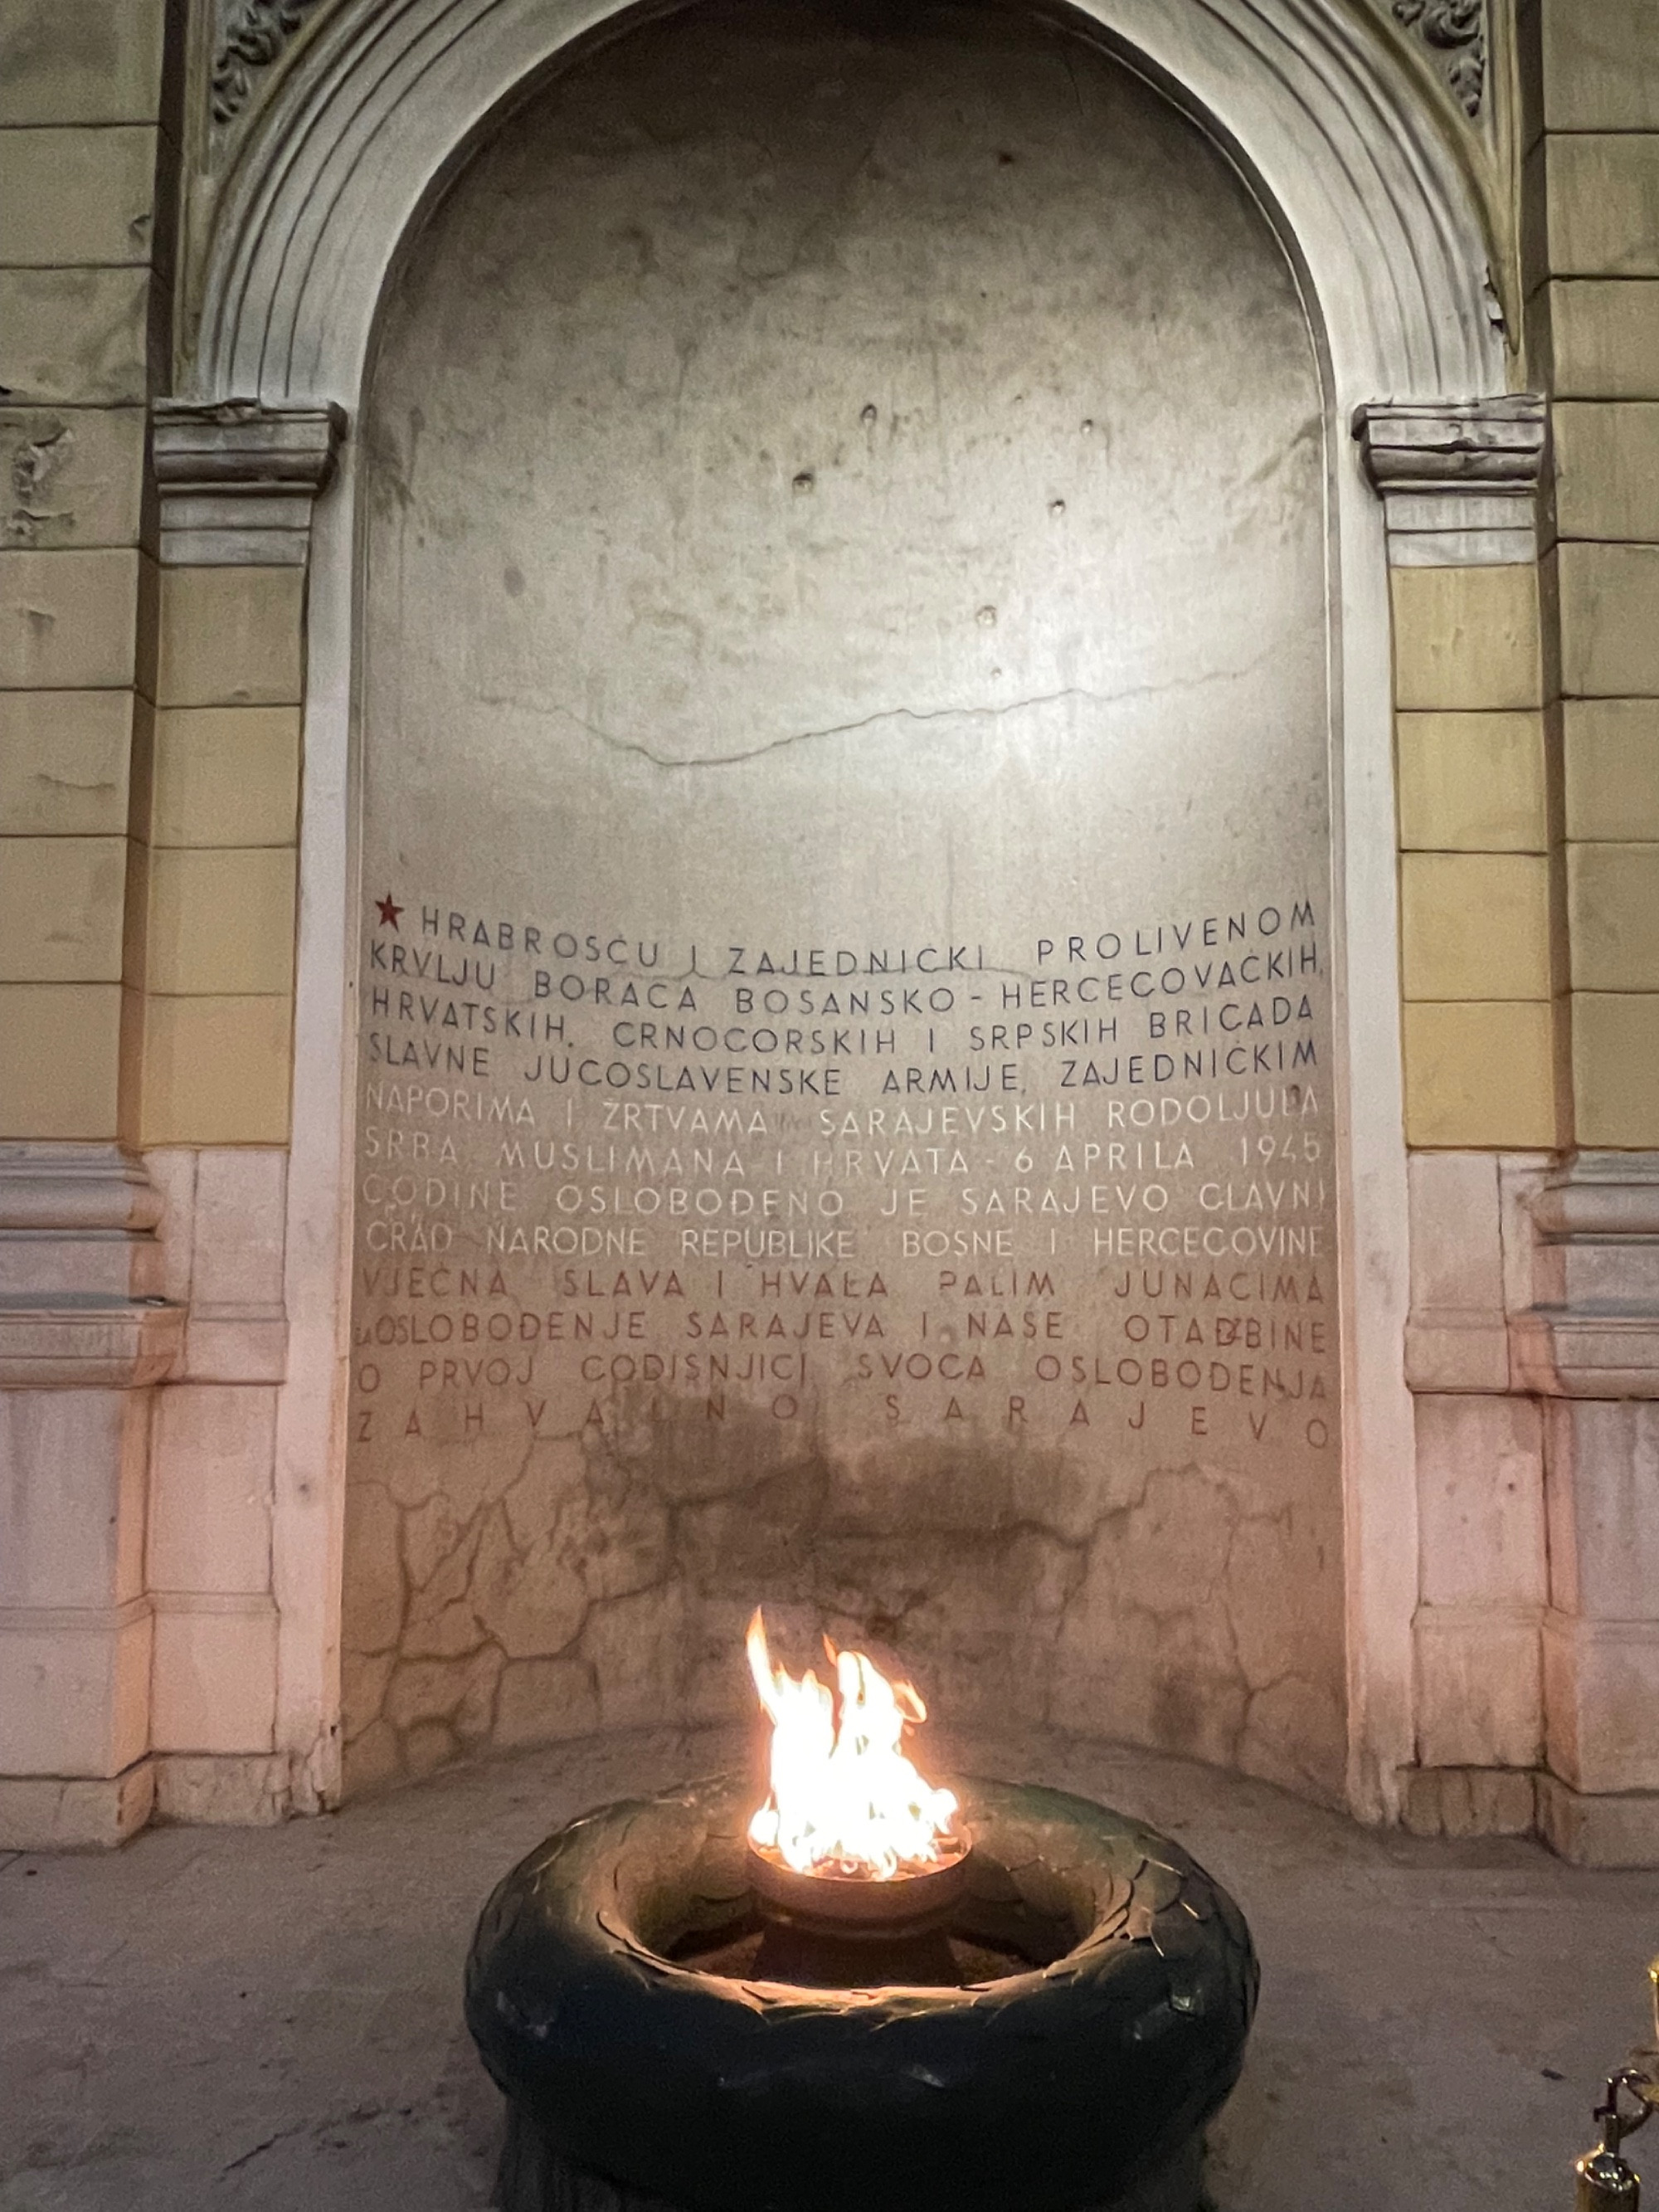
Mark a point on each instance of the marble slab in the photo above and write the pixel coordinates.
(844, 1099)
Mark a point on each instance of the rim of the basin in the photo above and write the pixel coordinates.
(983, 1813)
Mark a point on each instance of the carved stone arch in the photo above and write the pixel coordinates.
(1351, 162)
(1356, 171)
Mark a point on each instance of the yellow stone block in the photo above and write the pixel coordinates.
(217, 922)
(74, 335)
(1615, 1064)
(1474, 926)
(1602, 200)
(1609, 597)
(1601, 63)
(68, 621)
(59, 1060)
(1471, 783)
(1480, 1077)
(63, 758)
(74, 196)
(1613, 907)
(1466, 638)
(74, 476)
(81, 61)
(1607, 469)
(224, 776)
(60, 909)
(1604, 339)
(1612, 751)
(231, 637)
(215, 1071)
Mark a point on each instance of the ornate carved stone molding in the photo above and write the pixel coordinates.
(253, 34)
(1593, 1328)
(237, 480)
(351, 139)
(1459, 480)
(1454, 32)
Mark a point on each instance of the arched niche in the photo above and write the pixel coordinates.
(1371, 210)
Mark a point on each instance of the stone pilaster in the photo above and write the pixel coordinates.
(210, 964)
(1459, 484)
(1589, 1347)
(210, 944)
(84, 1335)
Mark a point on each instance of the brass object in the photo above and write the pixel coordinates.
(1607, 2182)
(909, 1904)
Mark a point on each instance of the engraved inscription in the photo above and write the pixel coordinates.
(844, 1100)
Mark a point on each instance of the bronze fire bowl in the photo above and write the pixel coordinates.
(850, 1905)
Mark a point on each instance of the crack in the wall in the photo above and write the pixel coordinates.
(605, 1656)
(1067, 695)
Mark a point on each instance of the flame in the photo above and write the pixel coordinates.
(844, 1798)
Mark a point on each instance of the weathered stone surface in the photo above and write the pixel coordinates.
(1603, 195)
(59, 1076)
(1471, 783)
(69, 620)
(73, 476)
(1611, 761)
(73, 336)
(1466, 639)
(73, 197)
(372, 1573)
(1615, 1068)
(1604, 338)
(81, 61)
(746, 570)
(1481, 1073)
(216, 1071)
(1466, 1801)
(1600, 66)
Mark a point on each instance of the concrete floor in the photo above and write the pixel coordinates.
(271, 2019)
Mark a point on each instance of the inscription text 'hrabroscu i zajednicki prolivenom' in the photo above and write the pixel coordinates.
(1078, 1184)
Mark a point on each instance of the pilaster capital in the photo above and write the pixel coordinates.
(1458, 478)
(237, 479)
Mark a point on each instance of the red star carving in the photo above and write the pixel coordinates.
(389, 912)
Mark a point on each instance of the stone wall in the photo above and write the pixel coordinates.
(818, 497)
(157, 1435)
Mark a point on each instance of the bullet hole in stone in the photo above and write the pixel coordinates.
(1056, 508)
(1005, 160)
(986, 617)
(513, 582)
(805, 481)
(1088, 427)
(867, 417)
